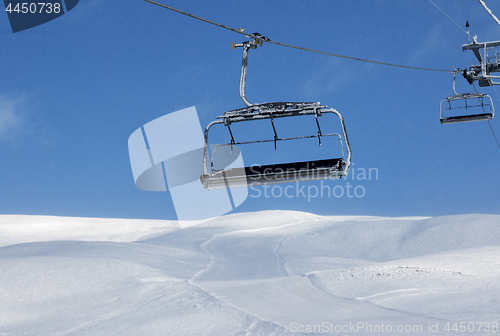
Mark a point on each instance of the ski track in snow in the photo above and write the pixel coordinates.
(264, 273)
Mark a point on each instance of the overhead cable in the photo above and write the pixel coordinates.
(240, 31)
(449, 17)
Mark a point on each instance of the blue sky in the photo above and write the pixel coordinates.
(74, 89)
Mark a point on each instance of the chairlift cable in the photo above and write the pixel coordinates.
(492, 131)
(198, 18)
(355, 58)
(494, 135)
(449, 17)
(240, 31)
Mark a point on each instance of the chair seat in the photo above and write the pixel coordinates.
(464, 118)
(274, 173)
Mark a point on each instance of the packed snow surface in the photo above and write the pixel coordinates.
(263, 273)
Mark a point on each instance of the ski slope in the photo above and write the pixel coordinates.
(263, 273)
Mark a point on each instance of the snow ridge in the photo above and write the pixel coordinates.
(263, 273)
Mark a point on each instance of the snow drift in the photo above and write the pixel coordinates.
(264, 273)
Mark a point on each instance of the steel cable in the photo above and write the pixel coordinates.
(240, 31)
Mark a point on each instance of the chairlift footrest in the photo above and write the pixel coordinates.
(274, 173)
(465, 118)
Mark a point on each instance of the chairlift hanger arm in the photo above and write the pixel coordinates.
(258, 40)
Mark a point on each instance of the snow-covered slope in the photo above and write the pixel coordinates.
(264, 273)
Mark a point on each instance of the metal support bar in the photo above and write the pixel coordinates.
(281, 139)
(490, 76)
(232, 138)
(483, 64)
(454, 78)
(244, 63)
(319, 129)
(247, 45)
(274, 129)
(243, 76)
(477, 45)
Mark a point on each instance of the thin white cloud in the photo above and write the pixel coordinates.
(10, 114)
(428, 47)
(334, 74)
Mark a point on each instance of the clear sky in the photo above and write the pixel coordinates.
(74, 89)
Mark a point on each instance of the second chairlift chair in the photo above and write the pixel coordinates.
(463, 107)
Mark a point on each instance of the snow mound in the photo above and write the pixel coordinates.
(26, 229)
(263, 273)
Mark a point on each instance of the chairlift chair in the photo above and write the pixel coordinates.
(463, 107)
(333, 168)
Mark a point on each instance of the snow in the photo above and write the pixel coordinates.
(26, 229)
(262, 273)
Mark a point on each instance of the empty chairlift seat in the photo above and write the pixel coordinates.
(332, 168)
(465, 107)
